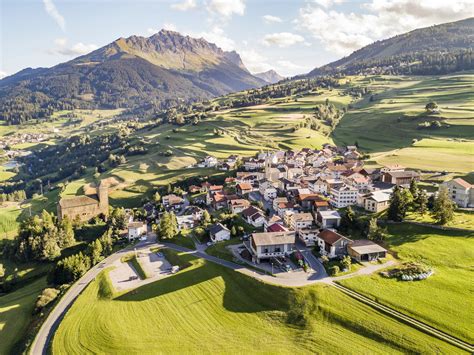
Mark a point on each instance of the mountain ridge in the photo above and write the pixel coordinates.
(270, 76)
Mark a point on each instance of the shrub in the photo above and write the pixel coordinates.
(47, 296)
(334, 270)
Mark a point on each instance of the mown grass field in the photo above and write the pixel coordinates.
(16, 310)
(209, 309)
(462, 219)
(443, 300)
(390, 122)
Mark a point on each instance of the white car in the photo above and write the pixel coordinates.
(142, 239)
(209, 244)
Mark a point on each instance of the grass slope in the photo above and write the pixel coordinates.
(443, 299)
(16, 312)
(209, 309)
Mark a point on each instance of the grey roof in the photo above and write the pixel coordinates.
(365, 246)
(78, 201)
(274, 238)
(216, 228)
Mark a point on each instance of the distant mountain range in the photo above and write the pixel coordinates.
(270, 76)
(155, 72)
(432, 50)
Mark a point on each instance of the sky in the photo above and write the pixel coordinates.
(289, 36)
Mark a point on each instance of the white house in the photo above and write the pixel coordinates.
(319, 186)
(270, 245)
(343, 196)
(332, 244)
(136, 230)
(267, 190)
(219, 232)
(301, 221)
(461, 192)
(210, 161)
(308, 236)
(328, 219)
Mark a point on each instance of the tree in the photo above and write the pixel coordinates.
(66, 234)
(431, 107)
(233, 231)
(414, 189)
(206, 218)
(50, 249)
(422, 202)
(2, 271)
(157, 197)
(167, 228)
(348, 219)
(375, 232)
(107, 243)
(334, 270)
(399, 203)
(95, 251)
(443, 208)
(118, 219)
(346, 262)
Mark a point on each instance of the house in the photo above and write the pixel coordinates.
(277, 201)
(308, 236)
(359, 181)
(237, 206)
(284, 208)
(267, 190)
(172, 201)
(85, 207)
(321, 205)
(301, 221)
(328, 219)
(218, 232)
(195, 211)
(400, 178)
(461, 192)
(270, 245)
(272, 220)
(306, 201)
(366, 250)
(185, 222)
(343, 196)
(276, 227)
(194, 189)
(210, 161)
(254, 216)
(244, 188)
(376, 201)
(136, 230)
(318, 186)
(332, 244)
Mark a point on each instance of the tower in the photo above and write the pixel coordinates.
(268, 167)
(103, 195)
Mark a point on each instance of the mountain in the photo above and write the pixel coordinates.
(152, 73)
(270, 76)
(432, 50)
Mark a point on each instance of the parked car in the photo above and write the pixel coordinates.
(142, 239)
(209, 244)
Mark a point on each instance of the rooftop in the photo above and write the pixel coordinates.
(78, 201)
(364, 246)
(273, 238)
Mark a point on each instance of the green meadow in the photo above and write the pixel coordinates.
(443, 300)
(206, 308)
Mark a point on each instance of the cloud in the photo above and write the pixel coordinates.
(74, 50)
(166, 26)
(343, 32)
(54, 13)
(272, 19)
(226, 7)
(3, 74)
(327, 3)
(254, 61)
(282, 39)
(217, 36)
(184, 6)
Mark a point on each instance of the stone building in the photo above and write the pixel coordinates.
(87, 206)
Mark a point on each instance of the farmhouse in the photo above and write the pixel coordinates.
(244, 188)
(400, 178)
(376, 201)
(269, 245)
(366, 250)
(136, 230)
(328, 219)
(85, 207)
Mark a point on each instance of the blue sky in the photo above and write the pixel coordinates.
(290, 36)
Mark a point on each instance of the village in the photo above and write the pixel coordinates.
(280, 213)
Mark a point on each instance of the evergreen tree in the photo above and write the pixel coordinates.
(414, 189)
(422, 202)
(66, 234)
(206, 218)
(168, 226)
(50, 249)
(443, 209)
(107, 242)
(348, 220)
(399, 203)
(233, 231)
(95, 251)
(2, 271)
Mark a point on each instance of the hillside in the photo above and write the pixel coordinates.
(155, 72)
(270, 76)
(432, 50)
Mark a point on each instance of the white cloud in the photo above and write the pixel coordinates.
(272, 19)
(74, 50)
(254, 61)
(282, 39)
(327, 3)
(54, 13)
(226, 7)
(217, 36)
(184, 6)
(166, 26)
(343, 32)
(152, 30)
(3, 74)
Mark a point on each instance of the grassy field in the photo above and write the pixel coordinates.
(443, 299)
(390, 121)
(16, 312)
(462, 219)
(209, 309)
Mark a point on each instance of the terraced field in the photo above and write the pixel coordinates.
(443, 299)
(209, 309)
